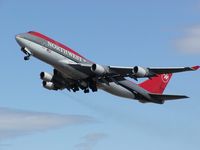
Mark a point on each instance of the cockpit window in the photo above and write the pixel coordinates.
(31, 32)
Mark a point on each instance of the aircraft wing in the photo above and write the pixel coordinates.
(152, 70)
(133, 72)
(173, 69)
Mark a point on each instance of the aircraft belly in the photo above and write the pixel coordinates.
(117, 90)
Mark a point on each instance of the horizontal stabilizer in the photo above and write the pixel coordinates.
(164, 97)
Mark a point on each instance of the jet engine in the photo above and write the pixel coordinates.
(46, 76)
(48, 85)
(140, 71)
(98, 69)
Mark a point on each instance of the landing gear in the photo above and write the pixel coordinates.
(93, 86)
(86, 91)
(26, 57)
(85, 85)
(94, 89)
(26, 52)
(75, 89)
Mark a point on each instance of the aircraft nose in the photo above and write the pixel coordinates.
(19, 40)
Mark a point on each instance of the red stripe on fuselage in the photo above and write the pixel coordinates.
(37, 34)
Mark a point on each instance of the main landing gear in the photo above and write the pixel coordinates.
(91, 85)
(26, 52)
(27, 57)
(86, 90)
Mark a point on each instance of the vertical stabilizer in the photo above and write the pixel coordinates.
(156, 84)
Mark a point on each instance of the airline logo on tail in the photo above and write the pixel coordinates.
(165, 78)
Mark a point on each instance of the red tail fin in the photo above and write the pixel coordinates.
(156, 84)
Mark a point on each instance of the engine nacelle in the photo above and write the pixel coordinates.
(98, 69)
(46, 76)
(140, 71)
(48, 85)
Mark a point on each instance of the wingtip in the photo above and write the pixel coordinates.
(195, 67)
(186, 97)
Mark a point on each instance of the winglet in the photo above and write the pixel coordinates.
(195, 67)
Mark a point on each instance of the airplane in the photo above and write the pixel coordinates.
(74, 72)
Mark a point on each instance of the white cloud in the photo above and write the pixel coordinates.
(14, 123)
(190, 42)
(90, 140)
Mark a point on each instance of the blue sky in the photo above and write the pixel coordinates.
(127, 33)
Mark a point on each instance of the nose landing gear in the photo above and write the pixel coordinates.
(26, 52)
(27, 57)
